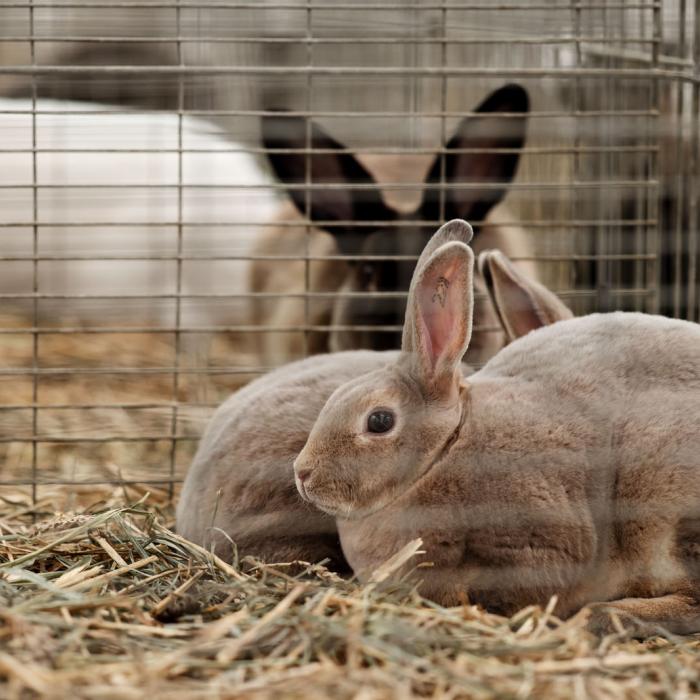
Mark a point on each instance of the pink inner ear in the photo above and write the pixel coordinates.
(438, 310)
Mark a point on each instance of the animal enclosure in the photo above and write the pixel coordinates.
(192, 192)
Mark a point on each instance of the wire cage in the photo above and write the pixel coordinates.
(154, 257)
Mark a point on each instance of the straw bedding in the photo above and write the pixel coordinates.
(124, 407)
(106, 602)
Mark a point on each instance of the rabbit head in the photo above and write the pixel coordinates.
(352, 210)
(379, 433)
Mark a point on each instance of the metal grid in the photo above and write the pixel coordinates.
(606, 189)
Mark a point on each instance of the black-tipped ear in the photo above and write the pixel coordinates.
(336, 203)
(488, 133)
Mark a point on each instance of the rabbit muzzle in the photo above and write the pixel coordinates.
(304, 476)
(299, 479)
(315, 485)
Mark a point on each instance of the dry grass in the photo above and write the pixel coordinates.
(109, 603)
(129, 409)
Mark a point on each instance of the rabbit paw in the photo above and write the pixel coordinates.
(606, 619)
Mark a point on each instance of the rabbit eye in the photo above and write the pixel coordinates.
(366, 274)
(380, 421)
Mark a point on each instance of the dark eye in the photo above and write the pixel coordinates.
(380, 421)
(366, 274)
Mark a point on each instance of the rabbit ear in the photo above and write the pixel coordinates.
(488, 132)
(455, 230)
(331, 204)
(522, 304)
(439, 317)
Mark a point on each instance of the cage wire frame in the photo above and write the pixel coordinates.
(592, 52)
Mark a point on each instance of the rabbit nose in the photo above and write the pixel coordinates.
(303, 474)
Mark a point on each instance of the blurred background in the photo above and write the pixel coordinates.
(151, 260)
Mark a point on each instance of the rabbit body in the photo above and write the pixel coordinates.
(240, 486)
(569, 465)
(126, 204)
(575, 472)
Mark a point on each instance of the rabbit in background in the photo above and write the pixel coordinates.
(482, 155)
(569, 465)
(240, 486)
(112, 223)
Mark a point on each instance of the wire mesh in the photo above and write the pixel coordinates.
(152, 261)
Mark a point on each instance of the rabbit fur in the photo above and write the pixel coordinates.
(240, 487)
(569, 465)
(239, 494)
(146, 214)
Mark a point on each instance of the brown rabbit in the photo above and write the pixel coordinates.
(569, 465)
(240, 487)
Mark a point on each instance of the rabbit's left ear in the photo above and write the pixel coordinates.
(522, 304)
(438, 322)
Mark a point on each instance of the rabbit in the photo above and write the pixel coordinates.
(569, 465)
(240, 487)
(78, 219)
(381, 229)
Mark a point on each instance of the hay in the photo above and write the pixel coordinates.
(116, 399)
(109, 603)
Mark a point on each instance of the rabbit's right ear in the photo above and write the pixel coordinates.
(522, 304)
(438, 322)
(330, 204)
